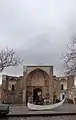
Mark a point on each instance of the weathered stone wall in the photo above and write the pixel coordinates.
(42, 78)
(70, 82)
(70, 85)
(56, 85)
(4, 82)
(51, 84)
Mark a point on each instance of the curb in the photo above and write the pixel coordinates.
(38, 115)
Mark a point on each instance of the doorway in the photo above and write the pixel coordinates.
(13, 87)
(63, 96)
(37, 95)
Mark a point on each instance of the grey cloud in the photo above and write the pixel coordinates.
(27, 24)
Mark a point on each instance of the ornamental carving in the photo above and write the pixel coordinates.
(37, 78)
(29, 91)
(46, 82)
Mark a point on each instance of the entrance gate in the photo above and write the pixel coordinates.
(37, 95)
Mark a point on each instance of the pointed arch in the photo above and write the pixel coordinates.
(37, 75)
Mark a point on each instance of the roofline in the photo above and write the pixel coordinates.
(11, 76)
(37, 66)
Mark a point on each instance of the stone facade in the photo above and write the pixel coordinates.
(68, 86)
(56, 85)
(12, 86)
(12, 82)
(0, 91)
(36, 79)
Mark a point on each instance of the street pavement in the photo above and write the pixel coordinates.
(22, 109)
(41, 118)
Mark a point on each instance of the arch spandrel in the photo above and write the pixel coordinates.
(46, 69)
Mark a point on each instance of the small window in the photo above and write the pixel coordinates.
(13, 87)
(62, 87)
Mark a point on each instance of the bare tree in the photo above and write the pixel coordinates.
(8, 57)
(70, 58)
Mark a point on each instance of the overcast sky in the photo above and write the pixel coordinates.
(38, 30)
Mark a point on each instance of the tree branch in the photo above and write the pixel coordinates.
(8, 58)
(70, 58)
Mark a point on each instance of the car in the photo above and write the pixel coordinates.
(4, 109)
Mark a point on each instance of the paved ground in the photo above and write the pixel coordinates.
(42, 118)
(24, 110)
(65, 108)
